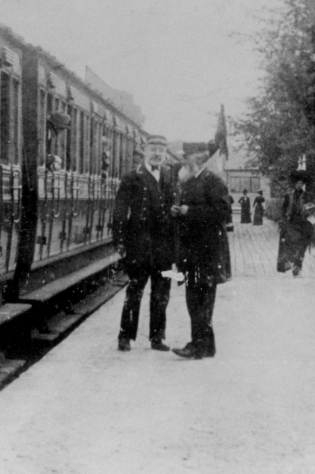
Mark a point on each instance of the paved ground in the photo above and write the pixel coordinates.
(88, 409)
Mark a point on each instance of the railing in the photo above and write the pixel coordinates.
(10, 216)
(74, 211)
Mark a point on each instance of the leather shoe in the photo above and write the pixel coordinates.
(159, 346)
(124, 345)
(209, 352)
(189, 352)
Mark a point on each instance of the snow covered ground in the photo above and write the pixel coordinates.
(88, 409)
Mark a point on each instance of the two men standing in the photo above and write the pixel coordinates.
(143, 233)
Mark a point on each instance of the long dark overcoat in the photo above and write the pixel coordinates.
(295, 231)
(142, 221)
(204, 246)
(259, 210)
(245, 210)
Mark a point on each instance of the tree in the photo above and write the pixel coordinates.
(280, 124)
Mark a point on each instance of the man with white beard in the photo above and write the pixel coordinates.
(204, 249)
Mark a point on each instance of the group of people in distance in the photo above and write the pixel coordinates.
(244, 201)
(152, 230)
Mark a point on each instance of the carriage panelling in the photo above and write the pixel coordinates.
(10, 152)
(76, 201)
(70, 178)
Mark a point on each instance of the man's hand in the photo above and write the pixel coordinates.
(183, 210)
(179, 210)
(175, 210)
(121, 250)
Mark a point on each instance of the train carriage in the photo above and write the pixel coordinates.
(63, 150)
(10, 153)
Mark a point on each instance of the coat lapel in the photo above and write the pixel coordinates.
(148, 180)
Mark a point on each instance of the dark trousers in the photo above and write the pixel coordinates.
(200, 298)
(160, 295)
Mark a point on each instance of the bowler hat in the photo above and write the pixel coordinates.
(60, 120)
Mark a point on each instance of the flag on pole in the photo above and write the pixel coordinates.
(220, 138)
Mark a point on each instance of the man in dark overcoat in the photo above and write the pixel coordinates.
(204, 249)
(143, 235)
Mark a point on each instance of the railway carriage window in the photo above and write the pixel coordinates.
(15, 121)
(97, 148)
(63, 140)
(112, 148)
(92, 146)
(41, 126)
(117, 155)
(49, 104)
(81, 152)
(74, 139)
(114, 160)
(50, 136)
(87, 145)
(57, 138)
(4, 118)
(68, 140)
(122, 155)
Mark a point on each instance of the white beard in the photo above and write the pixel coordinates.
(185, 173)
(311, 219)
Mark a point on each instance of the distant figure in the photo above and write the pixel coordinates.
(229, 221)
(296, 226)
(244, 201)
(259, 208)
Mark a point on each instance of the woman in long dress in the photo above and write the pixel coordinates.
(259, 208)
(244, 201)
(296, 226)
(229, 221)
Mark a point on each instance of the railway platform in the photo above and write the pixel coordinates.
(86, 408)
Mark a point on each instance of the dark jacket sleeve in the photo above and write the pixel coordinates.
(285, 205)
(216, 207)
(121, 211)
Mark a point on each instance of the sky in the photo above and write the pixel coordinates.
(176, 57)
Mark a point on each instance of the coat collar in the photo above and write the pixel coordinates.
(147, 177)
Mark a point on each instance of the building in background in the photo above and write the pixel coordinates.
(120, 99)
(233, 169)
(239, 176)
